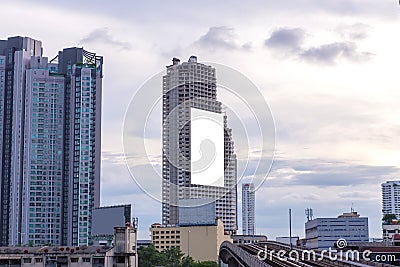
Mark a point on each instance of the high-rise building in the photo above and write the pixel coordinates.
(50, 150)
(248, 209)
(391, 198)
(189, 89)
(83, 72)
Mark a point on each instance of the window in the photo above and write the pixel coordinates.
(74, 259)
(120, 259)
(86, 259)
(27, 260)
(38, 260)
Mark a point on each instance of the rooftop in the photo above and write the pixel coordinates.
(54, 250)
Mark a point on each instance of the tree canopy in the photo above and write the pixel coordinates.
(172, 257)
(388, 218)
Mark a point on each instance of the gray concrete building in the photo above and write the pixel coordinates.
(106, 218)
(190, 92)
(50, 126)
(323, 233)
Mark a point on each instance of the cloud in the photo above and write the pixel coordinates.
(290, 41)
(329, 54)
(323, 173)
(359, 195)
(103, 35)
(357, 31)
(220, 37)
(286, 38)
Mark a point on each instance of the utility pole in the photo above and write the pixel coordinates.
(290, 228)
(188, 243)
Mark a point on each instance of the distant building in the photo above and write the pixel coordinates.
(382, 252)
(248, 209)
(196, 211)
(144, 243)
(105, 219)
(391, 198)
(122, 254)
(201, 242)
(287, 240)
(390, 231)
(248, 239)
(322, 233)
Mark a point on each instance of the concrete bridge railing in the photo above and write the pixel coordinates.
(234, 256)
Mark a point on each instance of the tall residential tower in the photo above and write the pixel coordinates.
(50, 143)
(248, 209)
(391, 198)
(190, 92)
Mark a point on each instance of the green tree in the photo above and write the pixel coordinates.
(187, 262)
(204, 264)
(174, 257)
(388, 218)
(150, 257)
(171, 257)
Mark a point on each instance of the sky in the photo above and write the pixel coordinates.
(327, 68)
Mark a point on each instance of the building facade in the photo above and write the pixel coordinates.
(106, 218)
(248, 209)
(201, 242)
(50, 151)
(390, 231)
(391, 198)
(323, 233)
(123, 253)
(190, 88)
(248, 239)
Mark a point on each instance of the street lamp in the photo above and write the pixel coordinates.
(188, 243)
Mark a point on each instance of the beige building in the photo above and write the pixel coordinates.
(201, 242)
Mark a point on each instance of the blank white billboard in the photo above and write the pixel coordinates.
(207, 147)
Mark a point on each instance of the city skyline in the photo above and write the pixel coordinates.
(328, 70)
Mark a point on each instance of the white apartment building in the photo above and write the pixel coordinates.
(248, 209)
(391, 198)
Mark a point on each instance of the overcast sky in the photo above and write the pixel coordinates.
(328, 69)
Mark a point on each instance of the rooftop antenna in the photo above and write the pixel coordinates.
(309, 214)
(352, 208)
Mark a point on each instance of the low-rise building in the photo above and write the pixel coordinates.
(391, 231)
(144, 243)
(105, 219)
(122, 254)
(323, 233)
(248, 239)
(287, 240)
(201, 242)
